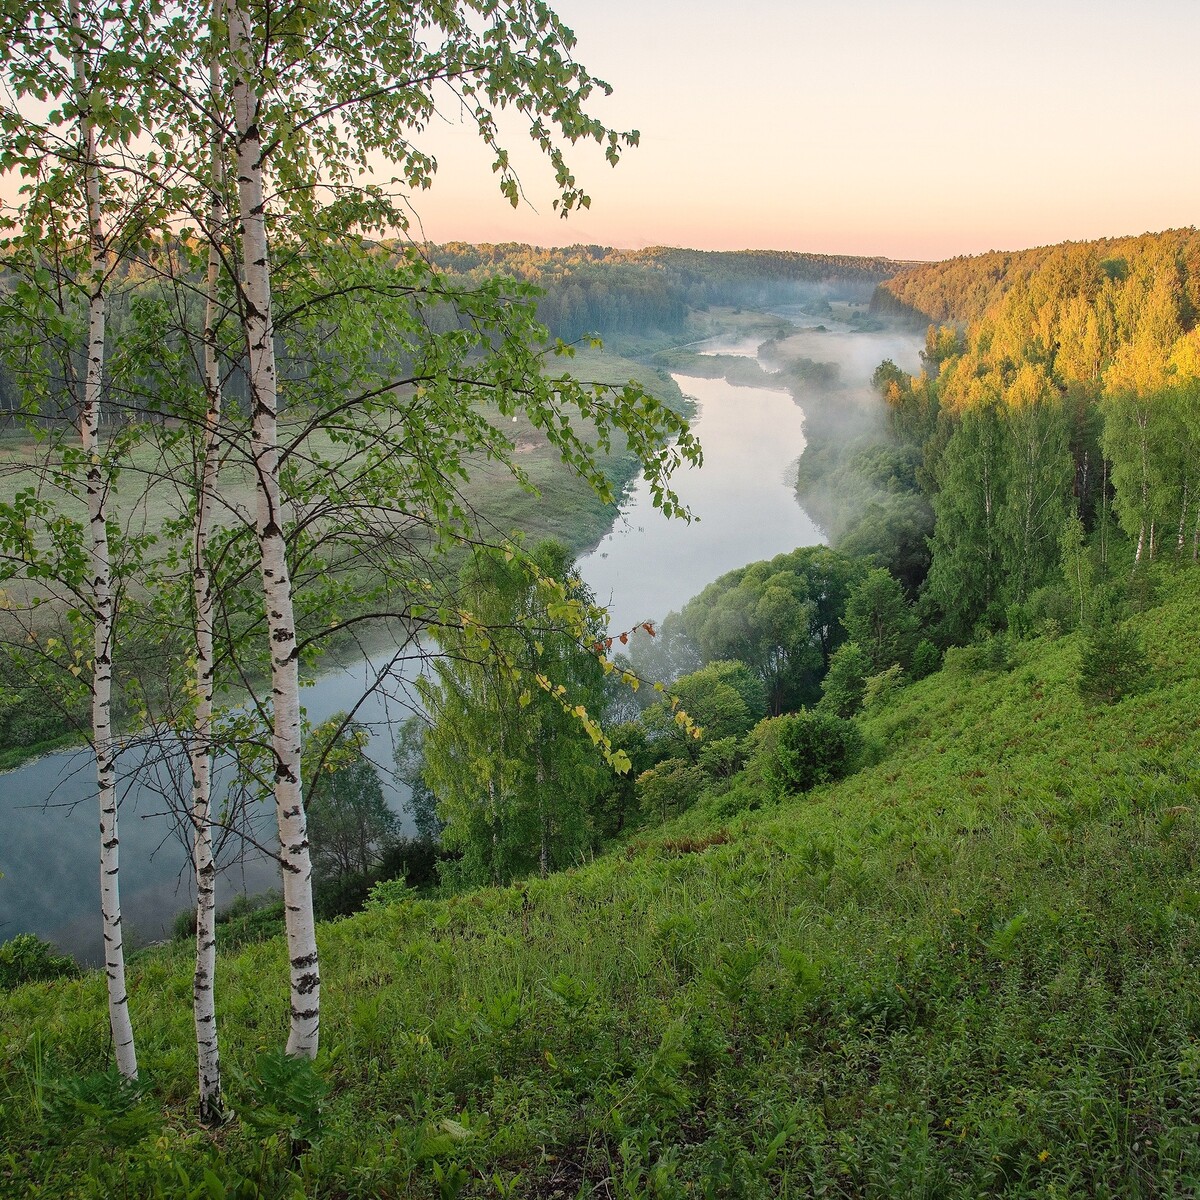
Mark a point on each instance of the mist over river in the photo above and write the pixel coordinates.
(745, 509)
(742, 502)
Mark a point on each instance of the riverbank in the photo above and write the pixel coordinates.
(34, 722)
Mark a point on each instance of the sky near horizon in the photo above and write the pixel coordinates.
(916, 129)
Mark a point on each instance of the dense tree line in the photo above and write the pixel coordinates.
(1056, 420)
(596, 289)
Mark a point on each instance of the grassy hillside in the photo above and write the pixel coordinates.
(968, 970)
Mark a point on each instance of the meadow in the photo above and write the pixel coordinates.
(967, 970)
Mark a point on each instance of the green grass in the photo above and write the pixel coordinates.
(563, 507)
(968, 970)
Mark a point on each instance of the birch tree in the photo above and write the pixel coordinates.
(200, 751)
(1038, 475)
(311, 98)
(965, 576)
(513, 771)
(79, 208)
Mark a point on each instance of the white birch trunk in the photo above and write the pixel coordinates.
(305, 979)
(208, 1059)
(1104, 514)
(100, 582)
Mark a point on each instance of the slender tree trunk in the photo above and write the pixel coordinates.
(543, 821)
(494, 813)
(208, 1058)
(103, 606)
(1143, 422)
(305, 978)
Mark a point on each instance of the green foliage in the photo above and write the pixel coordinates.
(103, 1108)
(1039, 475)
(723, 699)
(965, 576)
(865, 487)
(27, 959)
(881, 689)
(349, 822)
(926, 659)
(781, 618)
(284, 1095)
(881, 620)
(721, 758)
(513, 718)
(811, 748)
(410, 770)
(247, 919)
(389, 891)
(670, 788)
(989, 654)
(623, 293)
(1112, 663)
(35, 714)
(843, 687)
(785, 1001)
(414, 860)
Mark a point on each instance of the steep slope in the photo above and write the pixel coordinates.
(968, 970)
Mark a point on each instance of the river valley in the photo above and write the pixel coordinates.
(745, 509)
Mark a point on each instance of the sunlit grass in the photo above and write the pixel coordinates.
(967, 970)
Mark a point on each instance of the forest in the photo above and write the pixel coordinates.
(871, 871)
(618, 293)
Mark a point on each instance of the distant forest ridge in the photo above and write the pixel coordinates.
(609, 291)
(966, 289)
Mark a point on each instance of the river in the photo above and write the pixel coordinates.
(742, 501)
(744, 508)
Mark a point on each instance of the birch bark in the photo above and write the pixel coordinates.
(103, 607)
(304, 974)
(208, 1058)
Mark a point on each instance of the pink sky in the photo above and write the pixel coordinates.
(910, 128)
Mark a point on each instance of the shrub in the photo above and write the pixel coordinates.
(341, 894)
(1052, 611)
(846, 680)
(990, 654)
(250, 919)
(184, 925)
(926, 660)
(388, 892)
(669, 788)
(721, 759)
(811, 748)
(414, 860)
(27, 959)
(1112, 664)
(882, 688)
